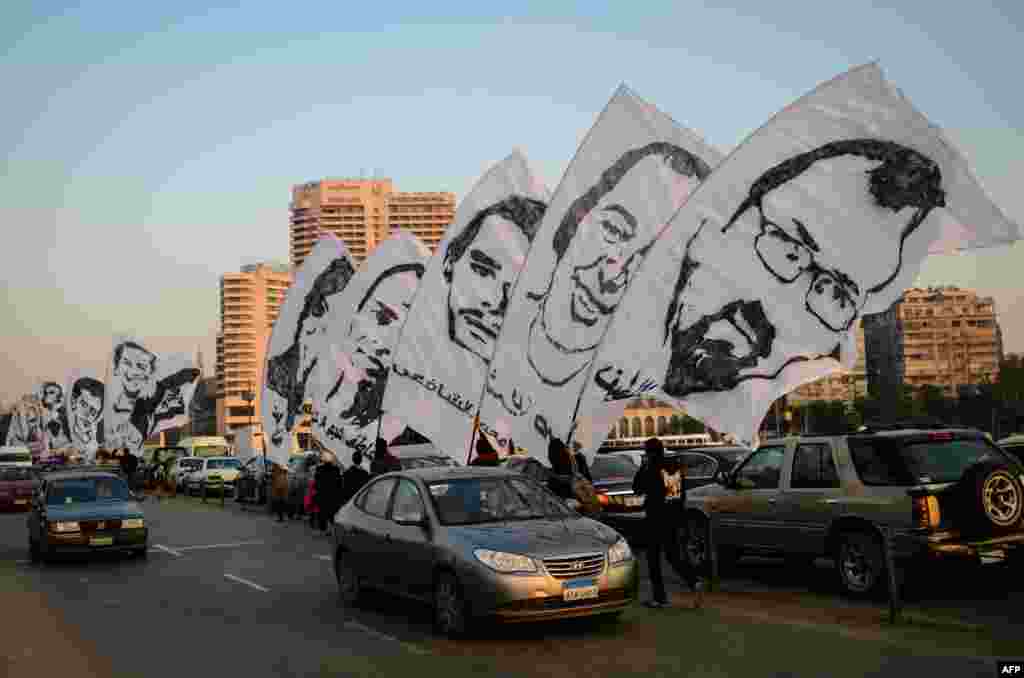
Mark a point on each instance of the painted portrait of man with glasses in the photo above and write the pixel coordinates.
(812, 277)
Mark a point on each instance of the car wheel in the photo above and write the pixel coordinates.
(860, 564)
(450, 610)
(992, 499)
(349, 587)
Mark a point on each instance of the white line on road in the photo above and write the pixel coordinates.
(356, 626)
(320, 556)
(164, 549)
(220, 546)
(246, 582)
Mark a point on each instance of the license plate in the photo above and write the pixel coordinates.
(101, 541)
(579, 589)
(21, 501)
(634, 501)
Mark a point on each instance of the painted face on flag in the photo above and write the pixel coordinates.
(795, 259)
(379, 317)
(606, 233)
(86, 406)
(481, 266)
(134, 366)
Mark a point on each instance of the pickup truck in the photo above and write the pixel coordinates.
(929, 493)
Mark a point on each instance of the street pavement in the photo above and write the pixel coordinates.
(230, 589)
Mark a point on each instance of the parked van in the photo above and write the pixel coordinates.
(206, 446)
(15, 456)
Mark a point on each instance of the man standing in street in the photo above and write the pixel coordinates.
(354, 477)
(664, 501)
(279, 490)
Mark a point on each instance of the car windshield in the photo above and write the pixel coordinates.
(613, 466)
(223, 464)
(86, 490)
(16, 473)
(892, 461)
(472, 501)
(426, 462)
(191, 464)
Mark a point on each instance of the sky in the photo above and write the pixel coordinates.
(149, 148)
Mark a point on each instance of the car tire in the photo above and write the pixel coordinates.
(860, 564)
(349, 587)
(989, 500)
(451, 613)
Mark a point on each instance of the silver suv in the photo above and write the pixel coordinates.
(946, 492)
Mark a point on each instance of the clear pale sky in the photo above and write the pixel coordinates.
(149, 148)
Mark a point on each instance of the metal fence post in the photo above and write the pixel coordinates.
(895, 605)
(712, 556)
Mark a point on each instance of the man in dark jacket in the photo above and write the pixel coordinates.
(383, 460)
(354, 477)
(664, 503)
(581, 462)
(560, 481)
(327, 481)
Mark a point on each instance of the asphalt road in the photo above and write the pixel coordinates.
(229, 589)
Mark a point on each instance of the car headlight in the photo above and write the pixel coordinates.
(505, 562)
(619, 552)
(132, 524)
(64, 526)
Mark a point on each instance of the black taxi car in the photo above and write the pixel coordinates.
(85, 511)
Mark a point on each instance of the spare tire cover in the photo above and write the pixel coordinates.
(990, 499)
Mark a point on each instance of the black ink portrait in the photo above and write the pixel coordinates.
(800, 260)
(615, 217)
(141, 400)
(52, 395)
(357, 395)
(481, 265)
(288, 372)
(85, 411)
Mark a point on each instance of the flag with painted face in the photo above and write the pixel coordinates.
(363, 328)
(820, 217)
(446, 344)
(26, 427)
(85, 395)
(632, 172)
(53, 398)
(145, 394)
(299, 341)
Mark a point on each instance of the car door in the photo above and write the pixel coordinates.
(746, 509)
(408, 548)
(365, 535)
(807, 504)
(700, 469)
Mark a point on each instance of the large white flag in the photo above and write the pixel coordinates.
(145, 393)
(84, 407)
(441, 360)
(630, 175)
(298, 342)
(53, 398)
(821, 216)
(363, 328)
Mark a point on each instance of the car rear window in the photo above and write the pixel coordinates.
(895, 461)
(17, 473)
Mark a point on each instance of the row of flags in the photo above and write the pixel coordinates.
(656, 269)
(141, 394)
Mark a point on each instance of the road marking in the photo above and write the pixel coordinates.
(319, 556)
(356, 626)
(246, 582)
(219, 546)
(164, 549)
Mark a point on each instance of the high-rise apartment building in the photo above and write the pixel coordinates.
(845, 385)
(950, 337)
(362, 212)
(249, 304)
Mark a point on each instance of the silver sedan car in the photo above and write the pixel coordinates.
(479, 543)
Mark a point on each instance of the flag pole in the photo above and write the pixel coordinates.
(472, 438)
